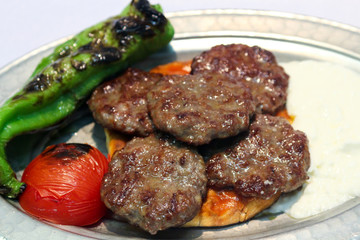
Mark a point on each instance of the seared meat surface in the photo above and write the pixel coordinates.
(255, 67)
(155, 183)
(198, 108)
(120, 104)
(272, 157)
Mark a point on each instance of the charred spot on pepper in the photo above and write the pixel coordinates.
(4, 190)
(128, 26)
(155, 18)
(40, 83)
(78, 65)
(106, 55)
(86, 48)
(64, 52)
(58, 68)
(125, 29)
(18, 97)
(99, 54)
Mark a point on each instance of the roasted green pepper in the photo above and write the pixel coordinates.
(64, 79)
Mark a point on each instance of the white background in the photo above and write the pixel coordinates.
(28, 24)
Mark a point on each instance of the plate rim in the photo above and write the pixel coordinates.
(268, 13)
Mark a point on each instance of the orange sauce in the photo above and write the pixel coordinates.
(179, 68)
(284, 113)
(219, 202)
(115, 141)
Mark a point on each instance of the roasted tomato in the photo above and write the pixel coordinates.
(63, 185)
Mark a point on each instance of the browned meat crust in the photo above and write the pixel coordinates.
(120, 104)
(255, 67)
(155, 183)
(272, 158)
(198, 108)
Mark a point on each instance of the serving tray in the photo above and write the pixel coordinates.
(290, 37)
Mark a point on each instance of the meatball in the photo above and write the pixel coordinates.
(255, 67)
(120, 104)
(198, 108)
(155, 183)
(272, 157)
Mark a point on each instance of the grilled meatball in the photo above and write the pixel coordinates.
(272, 157)
(120, 104)
(155, 183)
(255, 67)
(198, 108)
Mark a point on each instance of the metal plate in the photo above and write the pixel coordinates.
(290, 37)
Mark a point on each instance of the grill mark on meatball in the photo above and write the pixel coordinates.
(272, 157)
(155, 183)
(199, 108)
(120, 104)
(255, 67)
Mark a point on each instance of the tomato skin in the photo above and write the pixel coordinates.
(63, 185)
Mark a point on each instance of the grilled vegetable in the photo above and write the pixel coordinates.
(62, 81)
(63, 184)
